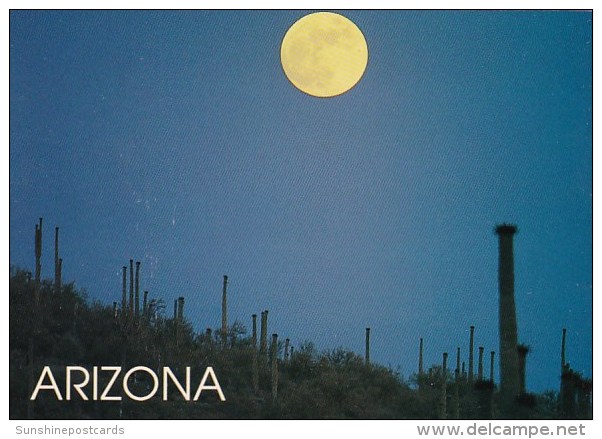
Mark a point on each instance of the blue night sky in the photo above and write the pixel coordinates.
(174, 138)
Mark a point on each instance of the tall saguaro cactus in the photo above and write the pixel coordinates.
(124, 294)
(367, 346)
(443, 395)
(480, 368)
(137, 291)
(38, 248)
(224, 330)
(420, 361)
(35, 317)
(274, 361)
(180, 309)
(471, 356)
(263, 340)
(57, 262)
(131, 303)
(509, 373)
(255, 365)
(456, 395)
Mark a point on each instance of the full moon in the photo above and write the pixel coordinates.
(324, 54)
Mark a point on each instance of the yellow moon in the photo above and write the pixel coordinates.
(324, 54)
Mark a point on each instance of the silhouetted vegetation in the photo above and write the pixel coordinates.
(71, 331)
(336, 384)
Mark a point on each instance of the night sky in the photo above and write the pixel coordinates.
(174, 138)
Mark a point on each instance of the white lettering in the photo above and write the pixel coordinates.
(95, 383)
(133, 371)
(104, 396)
(51, 386)
(216, 386)
(80, 386)
(167, 373)
(77, 387)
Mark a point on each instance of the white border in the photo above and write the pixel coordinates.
(273, 429)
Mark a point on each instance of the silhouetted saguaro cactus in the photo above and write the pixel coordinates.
(35, 317)
(263, 340)
(274, 361)
(131, 302)
(57, 268)
(420, 361)
(38, 252)
(480, 368)
(224, 331)
(471, 356)
(367, 346)
(443, 394)
(509, 382)
(457, 371)
(137, 291)
(255, 365)
(456, 396)
(180, 309)
(124, 294)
